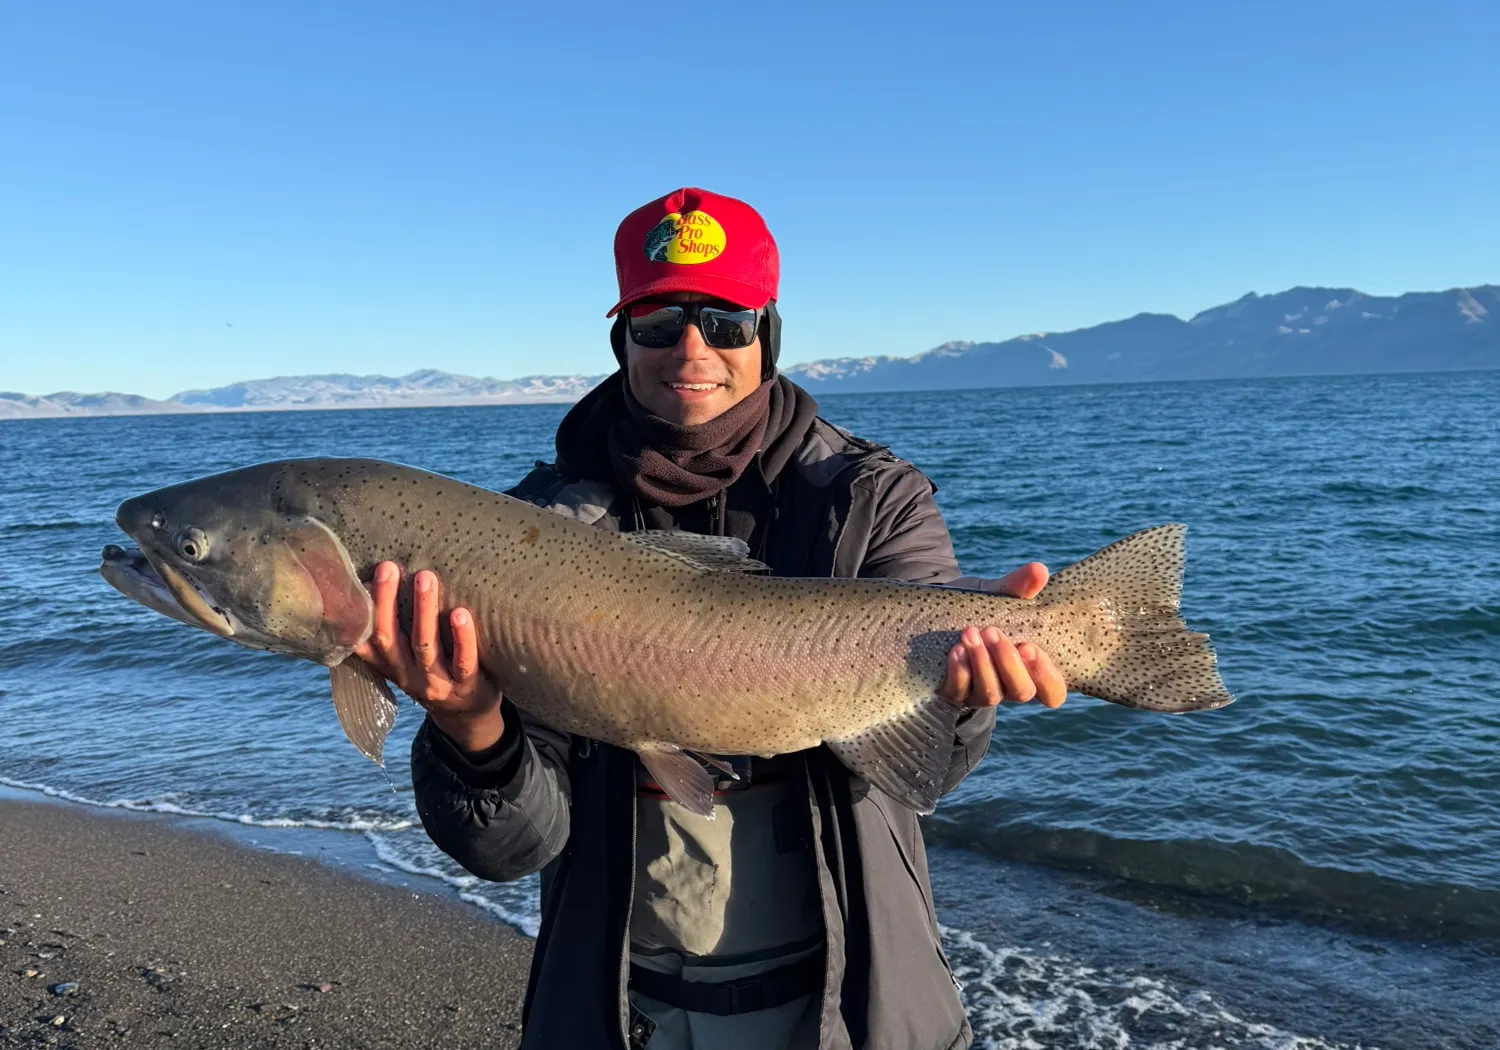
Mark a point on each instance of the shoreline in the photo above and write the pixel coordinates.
(363, 406)
(178, 933)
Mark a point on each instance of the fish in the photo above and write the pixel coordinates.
(675, 645)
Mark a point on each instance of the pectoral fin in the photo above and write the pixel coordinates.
(365, 706)
(682, 777)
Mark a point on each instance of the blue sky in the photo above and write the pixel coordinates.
(196, 193)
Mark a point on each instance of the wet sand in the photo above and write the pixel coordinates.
(180, 938)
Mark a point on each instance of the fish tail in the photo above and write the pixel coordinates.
(1151, 660)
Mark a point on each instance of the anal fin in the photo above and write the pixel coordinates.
(365, 705)
(681, 776)
(718, 763)
(906, 757)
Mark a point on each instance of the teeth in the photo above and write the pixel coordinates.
(694, 386)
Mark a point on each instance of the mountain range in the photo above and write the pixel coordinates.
(1302, 331)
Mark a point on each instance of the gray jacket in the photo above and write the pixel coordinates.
(542, 800)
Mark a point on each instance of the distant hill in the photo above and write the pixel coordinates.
(426, 386)
(1304, 331)
(67, 403)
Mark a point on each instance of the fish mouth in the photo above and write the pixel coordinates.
(161, 588)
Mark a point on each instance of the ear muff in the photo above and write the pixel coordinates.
(770, 341)
(617, 338)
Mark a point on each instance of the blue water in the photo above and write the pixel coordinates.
(1316, 865)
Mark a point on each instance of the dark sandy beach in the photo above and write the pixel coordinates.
(179, 938)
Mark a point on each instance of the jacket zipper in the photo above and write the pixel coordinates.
(625, 939)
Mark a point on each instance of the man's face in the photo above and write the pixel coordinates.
(692, 382)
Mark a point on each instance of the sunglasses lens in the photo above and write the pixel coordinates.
(656, 326)
(728, 329)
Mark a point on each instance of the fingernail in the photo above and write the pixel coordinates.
(424, 583)
(991, 635)
(460, 618)
(1027, 651)
(385, 572)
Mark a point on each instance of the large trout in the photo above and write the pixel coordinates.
(668, 643)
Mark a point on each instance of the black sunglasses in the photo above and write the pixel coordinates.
(658, 326)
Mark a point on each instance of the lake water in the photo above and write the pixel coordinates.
(1315, 866)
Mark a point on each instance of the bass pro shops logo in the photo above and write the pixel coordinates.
(687, 238)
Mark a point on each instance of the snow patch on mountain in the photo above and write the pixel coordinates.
(1248, 337)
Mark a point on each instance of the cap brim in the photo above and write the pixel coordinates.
(727, 288)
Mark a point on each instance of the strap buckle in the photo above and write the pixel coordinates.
(744, 995)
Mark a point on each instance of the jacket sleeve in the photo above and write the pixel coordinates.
(504, 813)
(909, 541)
(906, 537)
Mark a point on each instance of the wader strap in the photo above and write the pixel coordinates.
(742, 995)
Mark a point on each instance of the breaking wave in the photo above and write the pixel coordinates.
(47, 526)
(1207, 874)
(513, 903)
(1018, 999)
(351, 821)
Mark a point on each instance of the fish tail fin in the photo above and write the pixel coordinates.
(1154, 661)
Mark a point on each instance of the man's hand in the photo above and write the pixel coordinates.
(458, 696)
(985, 667)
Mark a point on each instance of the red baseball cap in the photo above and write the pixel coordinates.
(692, 240)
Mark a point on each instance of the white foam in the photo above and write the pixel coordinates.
(165, 805)
(1022, 1000)
(1017, 999)
(514, 903)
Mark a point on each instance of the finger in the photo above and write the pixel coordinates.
(985, 690)
(1025, 582)
(366, 651)
(1051, 686)
(386, 633)
(465, 648)
(424, 623)
(955, 685)
(1015, 679)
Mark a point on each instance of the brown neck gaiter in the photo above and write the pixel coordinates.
(611, 437)
(674, 465)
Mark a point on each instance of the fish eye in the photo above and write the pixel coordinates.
(192, 544)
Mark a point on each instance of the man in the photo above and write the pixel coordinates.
(800, 917)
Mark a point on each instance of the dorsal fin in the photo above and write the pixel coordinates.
(710, 553)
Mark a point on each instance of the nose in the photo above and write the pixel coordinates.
(691, 346)
(134, 516)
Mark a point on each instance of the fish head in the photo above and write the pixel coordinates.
(233, 555)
